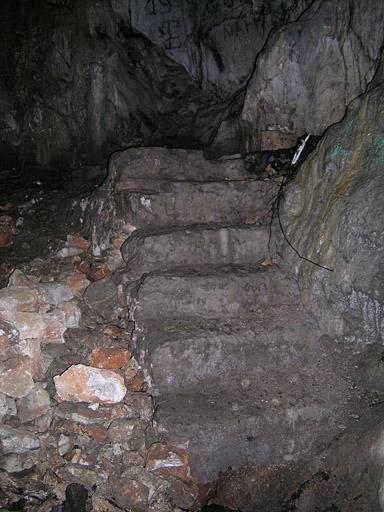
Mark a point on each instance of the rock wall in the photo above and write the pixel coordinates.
(81, 78)
(333, 215)
(307, 74)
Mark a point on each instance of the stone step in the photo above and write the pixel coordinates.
(172, 164)
(259, 391)
(191, 203)
(146, 251)
(185, 355)
(250, 429)
(210, 292)
(262, 392)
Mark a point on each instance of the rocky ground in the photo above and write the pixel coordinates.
(160, 349)
(75, 407)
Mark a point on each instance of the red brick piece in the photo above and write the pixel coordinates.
(109, 357)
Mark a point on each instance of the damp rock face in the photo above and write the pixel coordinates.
(97, 59)
(85, 384)
(343, 231)
(89, 65)
(307, 74)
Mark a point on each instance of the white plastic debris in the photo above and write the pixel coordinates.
(299, 150)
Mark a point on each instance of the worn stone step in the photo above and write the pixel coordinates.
(186, 355)
(250, 428)
(259, 391)
(152, 250)
(172, 164)
(211, 292)
(189, 203)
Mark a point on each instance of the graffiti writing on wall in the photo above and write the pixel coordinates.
(233, 17)
(170, 28)
(61, 3)
(170, 35)
(156, 7)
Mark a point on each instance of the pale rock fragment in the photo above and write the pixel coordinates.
(82, 383)
(34, 405)
(14, 440)
(20, 298)
(55, 293)
(7, 406)
(16, 377)
(55, 326)
(72, 314)
(29, 325)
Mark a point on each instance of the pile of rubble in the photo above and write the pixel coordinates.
(74, 403)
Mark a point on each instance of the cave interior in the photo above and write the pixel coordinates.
(191, 255)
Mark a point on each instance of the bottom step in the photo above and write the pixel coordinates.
(224, 432)
(265, 348)
(255, 396)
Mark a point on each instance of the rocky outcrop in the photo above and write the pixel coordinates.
(332, 214)
(307, 74)
(241, 356)
(243, 345)
(81, 79)
(75, 408)
(86, 79)
(233, 355)
(340, 225)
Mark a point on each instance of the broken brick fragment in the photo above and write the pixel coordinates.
(168, 459)
(109, 357)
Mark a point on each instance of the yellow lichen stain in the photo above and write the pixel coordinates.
(322, 241)
(351, 172)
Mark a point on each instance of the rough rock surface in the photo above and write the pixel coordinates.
(315, 57)
(308, 72)
(85, 384)
(154, 187)
(87, 78)
(16, 377)
(36, 404)
(255, 382)
(109, 357)
(343, 230)
(198, 321)
(232, 364)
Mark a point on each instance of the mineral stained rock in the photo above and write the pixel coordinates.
(85, 384)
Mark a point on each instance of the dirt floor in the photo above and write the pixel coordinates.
(37, 211)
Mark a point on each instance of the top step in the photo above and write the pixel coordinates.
(172, 165)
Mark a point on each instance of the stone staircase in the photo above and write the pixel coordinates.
(231, 356)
